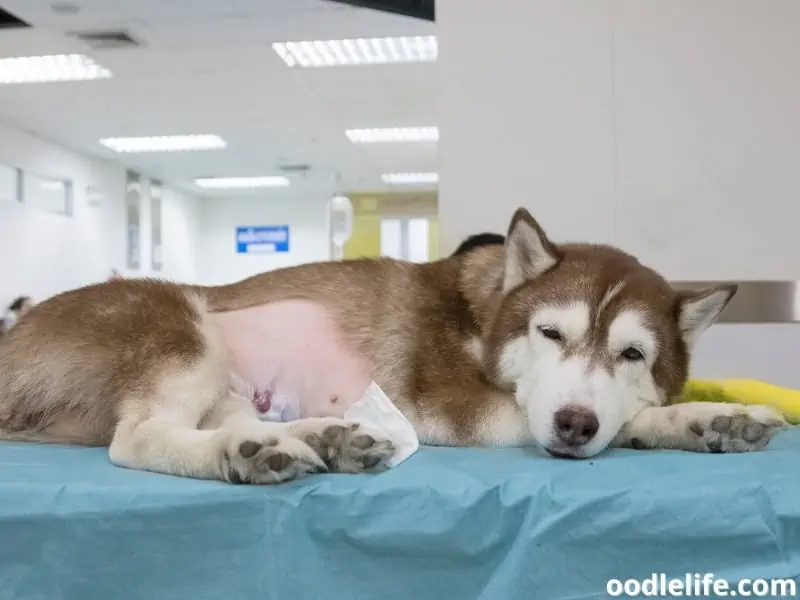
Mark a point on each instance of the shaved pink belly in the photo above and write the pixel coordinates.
(293, 349)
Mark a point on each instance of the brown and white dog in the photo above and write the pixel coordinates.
(571, 347)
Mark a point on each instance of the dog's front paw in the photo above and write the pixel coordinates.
(267, 459)
(348, 447)
(734, 428)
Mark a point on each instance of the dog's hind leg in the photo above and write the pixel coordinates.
(262, 454)
(162, 433)
(196, 427)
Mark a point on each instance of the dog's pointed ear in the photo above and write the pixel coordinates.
(528, 251)
(699, 309)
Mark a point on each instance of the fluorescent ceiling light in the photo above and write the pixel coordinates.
(410, 178)
(220, 183)
(393, 134)
(359, 51)
(50, 68)
(165, 143)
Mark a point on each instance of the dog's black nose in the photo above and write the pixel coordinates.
(575, 425)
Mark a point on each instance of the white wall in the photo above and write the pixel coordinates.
(308, 234)
(669, 128)
(181, 237)
(525, 98)
(42, 254)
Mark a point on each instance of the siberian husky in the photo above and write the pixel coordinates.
(573, 348)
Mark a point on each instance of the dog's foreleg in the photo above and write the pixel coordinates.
(243, 449)
(702, 427)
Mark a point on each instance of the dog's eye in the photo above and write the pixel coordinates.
(632, 354)
(551, 333)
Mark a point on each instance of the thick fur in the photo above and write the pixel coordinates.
(502, 345)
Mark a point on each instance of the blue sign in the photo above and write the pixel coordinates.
(262, 239)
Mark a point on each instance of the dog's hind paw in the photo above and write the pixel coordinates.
(734, 428)
(346, 447)
(268, 459)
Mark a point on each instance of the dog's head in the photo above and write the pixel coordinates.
(586, 336)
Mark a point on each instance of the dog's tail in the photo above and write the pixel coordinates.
(18, 424)
(44, 437)
(22, 423)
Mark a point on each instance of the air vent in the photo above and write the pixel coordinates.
(107, 40)
(298, 169)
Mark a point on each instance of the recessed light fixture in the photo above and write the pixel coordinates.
(50, 68)
(409, 178)
(65, 8)
(53, 185)
(358, 51)
(220, 183)
(165, 143)
(393, 134)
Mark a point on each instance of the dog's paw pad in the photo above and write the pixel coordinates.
(350, 448)
(697, 428)
(742, 429)
(336, 435)
(376, 454)
(278, 462)
(369, 453)
(270, 460)
(721, 424)
(363, 442)
(752, 432)
(250, 448)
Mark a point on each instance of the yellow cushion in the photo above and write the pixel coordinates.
(745, 391)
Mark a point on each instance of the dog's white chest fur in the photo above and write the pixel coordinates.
(292, 349)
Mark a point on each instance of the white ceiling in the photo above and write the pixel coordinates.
(208, 67)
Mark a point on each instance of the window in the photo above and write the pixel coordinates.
(9, 184)
(405, 239)
(156, 193)
(392, 238)
(47, 194)
(133, 202)
(418, 242)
